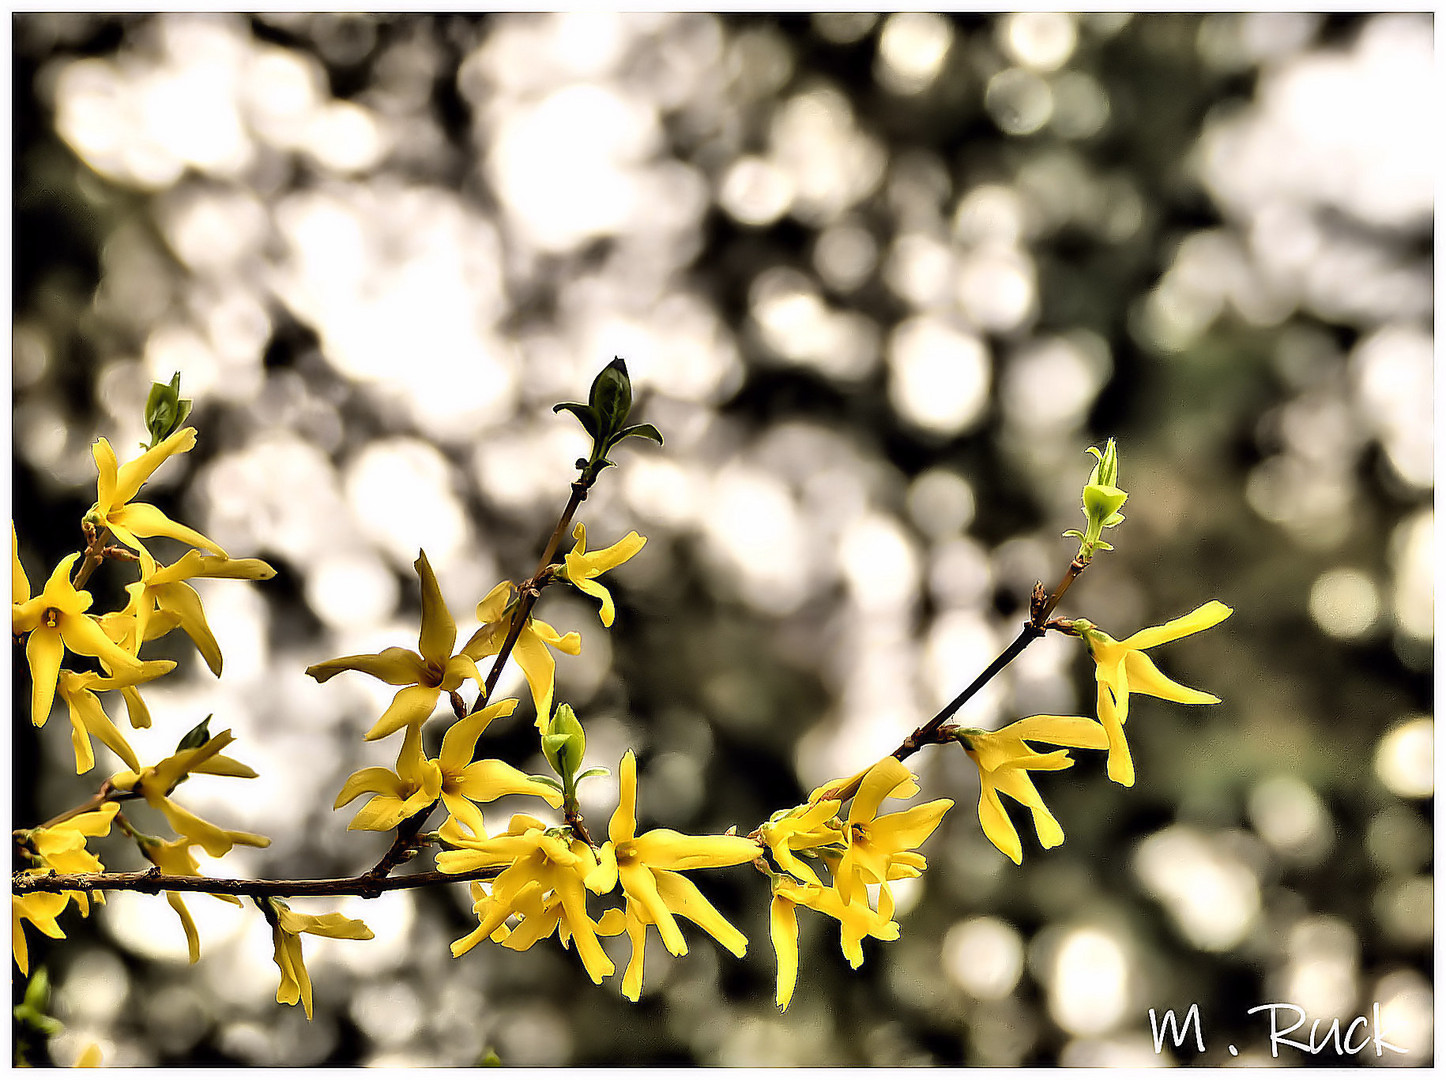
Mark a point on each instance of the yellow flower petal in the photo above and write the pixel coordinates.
(439, 630)
(783, 929)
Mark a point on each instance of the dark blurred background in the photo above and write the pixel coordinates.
(879, 280)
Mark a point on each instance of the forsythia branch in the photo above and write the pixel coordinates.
(153, 881)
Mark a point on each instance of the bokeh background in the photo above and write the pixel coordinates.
(880, 281)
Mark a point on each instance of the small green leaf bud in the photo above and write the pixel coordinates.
(611, 398)
(166, 410)
(1101, 500)
(564, 744)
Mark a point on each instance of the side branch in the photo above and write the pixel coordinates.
(1040, 609)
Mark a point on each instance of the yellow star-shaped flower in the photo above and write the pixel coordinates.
(648, 868)
(1005, 761)
(78, 690)
(582, 568)
(56, 620)
(156, 782)
(117, 485)
(286, 930)
(1122, 668)
(162, 591)
(423, 675)
(453, 776)
(808, 827)
(856, 921)
(880, 849)
(42, 911)
(538, 861)
(530, 651)
(61, 848)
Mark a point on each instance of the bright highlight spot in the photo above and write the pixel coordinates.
(1404, 758)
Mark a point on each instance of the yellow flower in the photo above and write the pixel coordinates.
(163, 590)
(174, 857)
(396, 795)
(804, 828)
(156, 782)
(41, 910)
(856, 922)
(581, 568)
(1122, 668)
(879, 849)
(538, 861)
(286, 930)
(61, 848)
(423, 675)
(1005, 761)
(89, 1058)
(648, 865)
(453, 776)
(56, 621)
(465, 782)
(78, 690)
(530, 651)
(541, 914)
(117, 485)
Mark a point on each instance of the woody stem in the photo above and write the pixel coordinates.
(1040, 611)
(94, 554)
(152, 881)
(531, 589)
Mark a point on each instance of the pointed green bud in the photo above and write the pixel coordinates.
(166, 410)
(611, 398)
(564, 744)
(1107, 466)
(1101, 500)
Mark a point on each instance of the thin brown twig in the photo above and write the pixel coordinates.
(531, 589)
(933, 730)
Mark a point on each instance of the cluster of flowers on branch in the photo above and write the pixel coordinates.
(834, 854)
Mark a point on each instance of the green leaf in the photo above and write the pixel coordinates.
(596, 770)
(546, 781)
(584, 414)
(642, 431)
(198, 736)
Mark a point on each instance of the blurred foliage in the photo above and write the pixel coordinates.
(817, 208)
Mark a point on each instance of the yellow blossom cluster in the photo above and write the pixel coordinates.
(859, 851)
(546, 873)
(1005, 759)
(57, 624)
